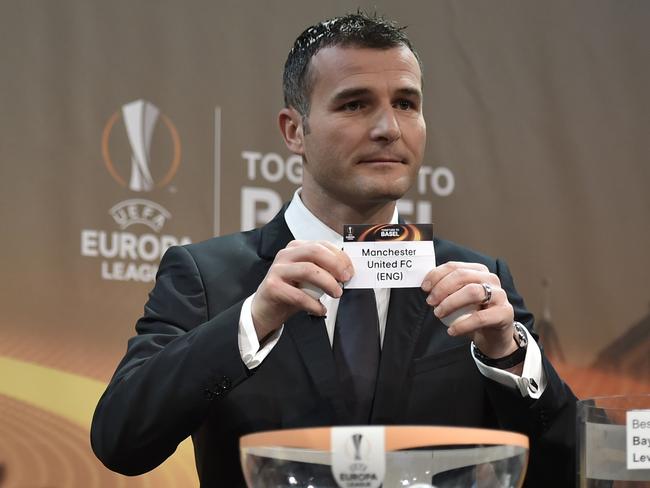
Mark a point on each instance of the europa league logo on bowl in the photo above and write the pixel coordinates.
(358, 456)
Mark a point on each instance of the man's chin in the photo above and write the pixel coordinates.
(389, 191)
(378, 196)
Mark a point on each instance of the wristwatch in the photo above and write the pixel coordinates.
(512, 359)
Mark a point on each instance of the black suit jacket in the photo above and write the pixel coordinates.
(183, 375)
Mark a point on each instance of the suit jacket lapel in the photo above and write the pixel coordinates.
(274, 236)
(307, 332)
(310, 336)
(406, 313)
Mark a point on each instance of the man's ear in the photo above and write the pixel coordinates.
(291, 126)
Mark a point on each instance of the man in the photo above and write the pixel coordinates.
(233, 341)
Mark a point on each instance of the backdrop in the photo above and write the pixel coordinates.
(128, 127)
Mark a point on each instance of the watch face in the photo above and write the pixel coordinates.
(520, 335)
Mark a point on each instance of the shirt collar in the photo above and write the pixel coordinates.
(304, 225)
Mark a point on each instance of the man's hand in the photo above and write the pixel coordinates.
(455, 285)
(279, 296)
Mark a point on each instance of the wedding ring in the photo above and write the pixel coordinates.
(488, 294)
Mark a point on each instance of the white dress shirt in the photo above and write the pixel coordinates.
(306, 226)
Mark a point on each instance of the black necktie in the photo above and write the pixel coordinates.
(356, 350)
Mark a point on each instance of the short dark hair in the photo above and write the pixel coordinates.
(355, 30)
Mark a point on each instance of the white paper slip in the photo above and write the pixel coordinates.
(638, 439)
(389, 255)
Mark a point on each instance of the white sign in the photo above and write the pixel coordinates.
(389, 256)
(638, 439)
(358, 456)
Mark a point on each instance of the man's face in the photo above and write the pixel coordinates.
(365, 133)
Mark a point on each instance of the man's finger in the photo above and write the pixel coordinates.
(321, 253)
(297, 274)
(497, 317)
(457, 280)
(471, 294)
(439, 272)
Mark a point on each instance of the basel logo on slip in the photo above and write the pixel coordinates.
(390, 232)
(141, 167)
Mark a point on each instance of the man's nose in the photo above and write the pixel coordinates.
(385, 126)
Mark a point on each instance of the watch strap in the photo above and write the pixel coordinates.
(511, 359)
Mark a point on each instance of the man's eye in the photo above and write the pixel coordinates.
(352, 106)
(404, 105)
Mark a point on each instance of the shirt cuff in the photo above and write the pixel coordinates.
(532, 381)
(249, 346)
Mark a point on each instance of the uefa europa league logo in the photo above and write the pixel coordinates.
(358, 456)
(356, 442)
(140, 119)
